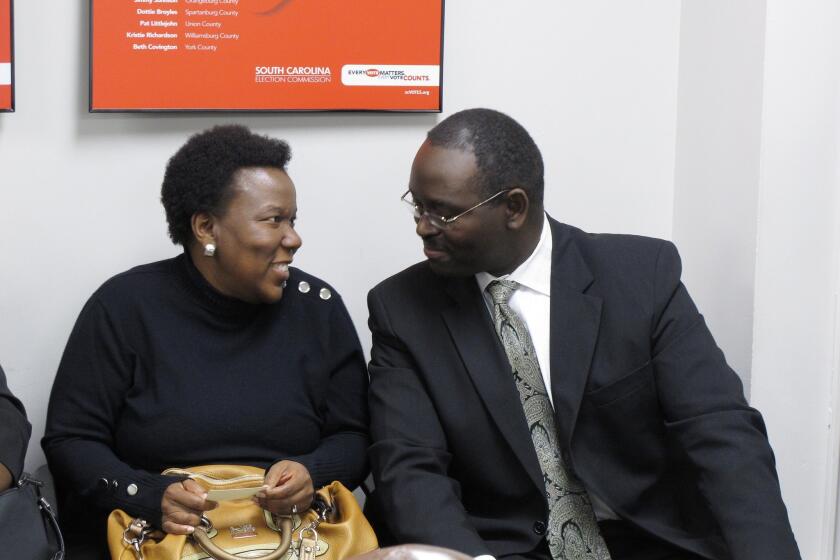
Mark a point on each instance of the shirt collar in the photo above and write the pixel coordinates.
(535, 272)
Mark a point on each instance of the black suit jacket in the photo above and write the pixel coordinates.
(650, 416)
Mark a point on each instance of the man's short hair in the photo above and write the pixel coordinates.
(505, 153)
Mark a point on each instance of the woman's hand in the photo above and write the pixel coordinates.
(182, 506)
(287, 486)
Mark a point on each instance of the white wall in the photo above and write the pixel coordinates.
(717, 165)
(757, 218)
(796, 292)
(594, 82)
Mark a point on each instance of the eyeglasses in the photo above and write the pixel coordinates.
(440, 222)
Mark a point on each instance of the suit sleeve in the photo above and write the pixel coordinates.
(95, 373)
(706, 413)
(420, 502)
(14, 430)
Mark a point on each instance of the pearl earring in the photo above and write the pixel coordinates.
(209, 250)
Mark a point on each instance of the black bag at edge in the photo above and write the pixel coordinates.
(28, 527)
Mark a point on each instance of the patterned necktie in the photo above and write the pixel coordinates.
(573, 532)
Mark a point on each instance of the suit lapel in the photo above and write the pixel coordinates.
(475, 338)
(575, 319)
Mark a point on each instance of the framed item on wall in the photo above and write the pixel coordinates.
(266, 55)
(7, 65)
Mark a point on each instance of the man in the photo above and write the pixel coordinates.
(541, 392)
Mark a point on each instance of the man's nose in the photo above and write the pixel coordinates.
(424, 226)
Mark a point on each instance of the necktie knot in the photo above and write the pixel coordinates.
(501, 291)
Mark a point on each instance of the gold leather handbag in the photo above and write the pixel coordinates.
(334, 527)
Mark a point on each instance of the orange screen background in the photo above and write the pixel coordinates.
(5, 49)
(282, 33)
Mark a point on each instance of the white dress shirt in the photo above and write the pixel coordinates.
(532, 302)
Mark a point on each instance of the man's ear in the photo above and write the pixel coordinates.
(517, 206)
(203, 226)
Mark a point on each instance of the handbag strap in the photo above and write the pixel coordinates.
(46, 511)
(204, 541)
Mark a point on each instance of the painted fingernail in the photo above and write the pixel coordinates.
(204, 496)
(190, 530)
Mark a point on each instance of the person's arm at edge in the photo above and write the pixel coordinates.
(14, 435)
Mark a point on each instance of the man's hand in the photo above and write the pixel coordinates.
(287, 486)
(182, 506)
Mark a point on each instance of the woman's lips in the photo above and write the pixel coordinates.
(282, 270)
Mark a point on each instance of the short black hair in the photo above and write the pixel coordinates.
(198, 177)
(505, 153)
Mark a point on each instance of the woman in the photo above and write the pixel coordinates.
(222, 355)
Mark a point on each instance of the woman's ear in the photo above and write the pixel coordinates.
(203, 225)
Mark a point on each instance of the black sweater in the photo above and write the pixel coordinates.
(161, 370)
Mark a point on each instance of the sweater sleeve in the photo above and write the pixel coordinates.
(14, 430)
(342, 452)
(95, 374)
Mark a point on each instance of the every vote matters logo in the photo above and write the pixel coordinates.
(390, 75)
(292, 74)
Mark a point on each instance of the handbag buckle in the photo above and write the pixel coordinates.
(135, 534)
(308, 547)
(311, 530)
